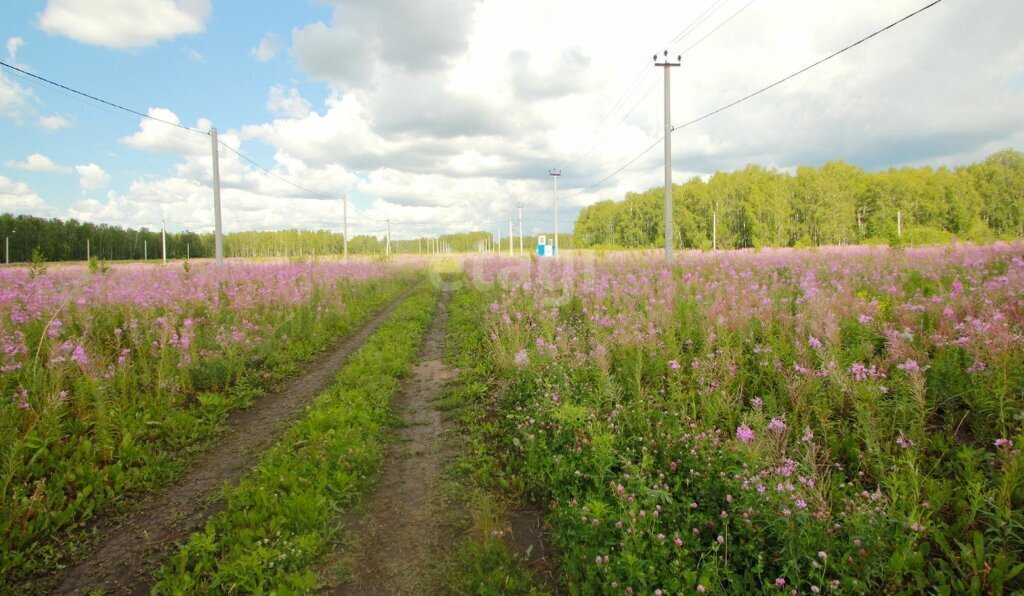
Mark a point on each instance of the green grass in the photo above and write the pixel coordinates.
(480, 491)
(66, 469)
(280, 519)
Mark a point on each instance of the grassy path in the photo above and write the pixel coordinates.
(392, 545)
(278, 522)
(131, 548)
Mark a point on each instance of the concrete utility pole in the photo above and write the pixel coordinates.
(145, 250)
(87, 255)
(387, 248)
(899, 224)
(555, 173)
(519, 207)
(218, 237)
(163, 238)
(667, 65)
(510, 253)
(344, 217)
(714, 229)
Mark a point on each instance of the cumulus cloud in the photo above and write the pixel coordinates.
(18, 197)
(13, 45)
(158, 137)
(363, 34)
(269, 46)
(288, 103)
(92, 176)
(124, 24)
(38, 162)
(15, 100)
(55, 122)
(188, 204)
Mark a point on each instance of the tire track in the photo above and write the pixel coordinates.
(131, 548)
(393, 544)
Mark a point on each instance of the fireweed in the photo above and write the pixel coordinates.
(824, 420)
(105, 380)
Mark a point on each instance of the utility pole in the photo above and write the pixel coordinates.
(519, 207)
(714, 229)
(163, 238)
(555, 173)
(145, 250)
(387, 248)
(344, 216)
(87, 255)
(667, 65)
(510, 237)
(218, 237)
(899, 224)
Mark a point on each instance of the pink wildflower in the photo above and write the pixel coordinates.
(743, 433)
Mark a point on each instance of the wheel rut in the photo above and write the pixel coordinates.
(391, 546)
(130, 548)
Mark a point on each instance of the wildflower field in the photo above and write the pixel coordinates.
(837, 420)
(844, 420)
(111, 378)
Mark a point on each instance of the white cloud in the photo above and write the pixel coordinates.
(188, 204)
(124, 24)
(55, 122)
(13, 44)
(194, 56)
(365, 34)
(158, 137)
(92, 176)
(18, 197)
(289, 104)
(38, 162)
(15, 100)
(269, 46)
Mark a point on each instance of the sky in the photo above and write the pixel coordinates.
(442, 116)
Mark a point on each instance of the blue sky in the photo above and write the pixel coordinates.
(442, 115)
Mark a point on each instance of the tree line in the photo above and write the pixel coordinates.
(71, 240)
(837, 203)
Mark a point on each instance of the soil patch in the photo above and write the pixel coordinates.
(390, 548)
(130, 548)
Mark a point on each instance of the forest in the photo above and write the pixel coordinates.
(835, 204)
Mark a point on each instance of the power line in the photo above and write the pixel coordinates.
(720, 25)
(595, 139)
(806, 68)
(755, 93)
(704, 16)
(103, 101)
(274, 174)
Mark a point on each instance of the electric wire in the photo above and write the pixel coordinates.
(754, 94)
(719, 26)
(100, 100)
(805, 69)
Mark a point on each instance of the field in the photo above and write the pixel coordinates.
(838, 420)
